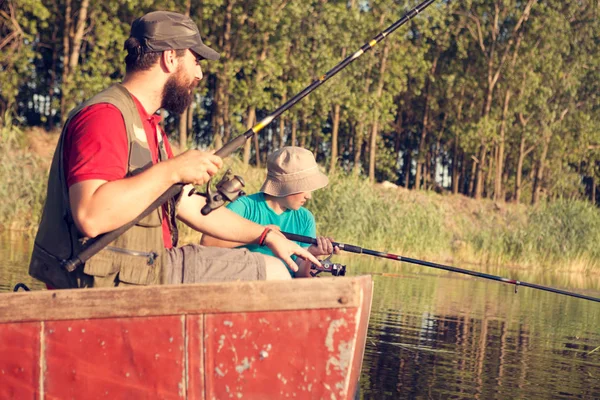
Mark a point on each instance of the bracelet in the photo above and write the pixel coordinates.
(263, 236)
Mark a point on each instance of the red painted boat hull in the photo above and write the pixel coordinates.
(279, 346)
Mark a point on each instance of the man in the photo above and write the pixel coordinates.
(113, 160)
(292, 176)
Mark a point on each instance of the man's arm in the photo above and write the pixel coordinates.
(99, 206)
(224, 224)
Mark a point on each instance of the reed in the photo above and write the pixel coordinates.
(22, 187)
(561, 235)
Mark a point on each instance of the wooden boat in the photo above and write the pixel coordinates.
(251, 340)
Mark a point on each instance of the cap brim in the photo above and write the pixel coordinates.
(206, 52)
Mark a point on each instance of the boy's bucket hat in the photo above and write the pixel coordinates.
(292, 170)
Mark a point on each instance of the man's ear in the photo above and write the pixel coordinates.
(169, 60)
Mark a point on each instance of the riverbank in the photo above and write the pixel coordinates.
(562, 235)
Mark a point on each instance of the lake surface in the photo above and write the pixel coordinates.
(440, 335)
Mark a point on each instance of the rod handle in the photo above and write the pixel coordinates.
(350, 248)
(305, 239)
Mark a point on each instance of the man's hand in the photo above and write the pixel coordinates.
(195, 167)
(324, 247)
(285, 249)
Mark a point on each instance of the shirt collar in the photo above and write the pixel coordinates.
(152, 118)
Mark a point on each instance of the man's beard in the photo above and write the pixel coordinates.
(176, 97)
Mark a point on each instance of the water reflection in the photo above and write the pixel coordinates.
(443, 335)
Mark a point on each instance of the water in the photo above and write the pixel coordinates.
(438, 335)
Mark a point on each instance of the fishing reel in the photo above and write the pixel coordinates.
(229, 188)
(329, 267)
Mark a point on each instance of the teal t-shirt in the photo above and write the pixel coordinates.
(256, 209)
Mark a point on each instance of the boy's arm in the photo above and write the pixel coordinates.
(212, 241)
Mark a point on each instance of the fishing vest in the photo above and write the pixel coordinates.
(135, 257)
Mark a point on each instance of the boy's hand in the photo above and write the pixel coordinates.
(324, 247)
(285, 249)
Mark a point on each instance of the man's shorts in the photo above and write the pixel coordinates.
(194, 263)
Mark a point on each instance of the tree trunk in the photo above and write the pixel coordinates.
(185, 119)
(183, 130)
(221, 126)
(294, 133)
(66, 56)
(473, 177)
(250, 121)
(493, 74)
(500, 157)
(539, 174)
(72, 49)
(334, 138)
(407, 162)
(78, 37)
(190, 118)
(334, 131)
(257, 150)
(422, 140)
(282, 126)
(519, 172)
(218, 115)
(358, 143)
(375, 127)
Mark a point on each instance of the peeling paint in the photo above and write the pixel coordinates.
(334, 326)
(228, 323)
(221, 343)
(243, 366)
(282, 379)
(263, 354)
(264, 321)
(219, 372)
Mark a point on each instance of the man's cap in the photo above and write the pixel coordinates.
(166, 30)
(292, 170)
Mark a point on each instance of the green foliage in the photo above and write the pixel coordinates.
(440, 96)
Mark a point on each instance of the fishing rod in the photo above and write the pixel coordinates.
(359, 250)
(215, 200)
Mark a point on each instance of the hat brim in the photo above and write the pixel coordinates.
(206, 52)
(309, 183)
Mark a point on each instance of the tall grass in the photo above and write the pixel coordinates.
(22, 181)
(22, 188)
(553, 234)
(563, 235)
(352, 210)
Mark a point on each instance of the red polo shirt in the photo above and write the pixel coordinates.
(96, 147)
